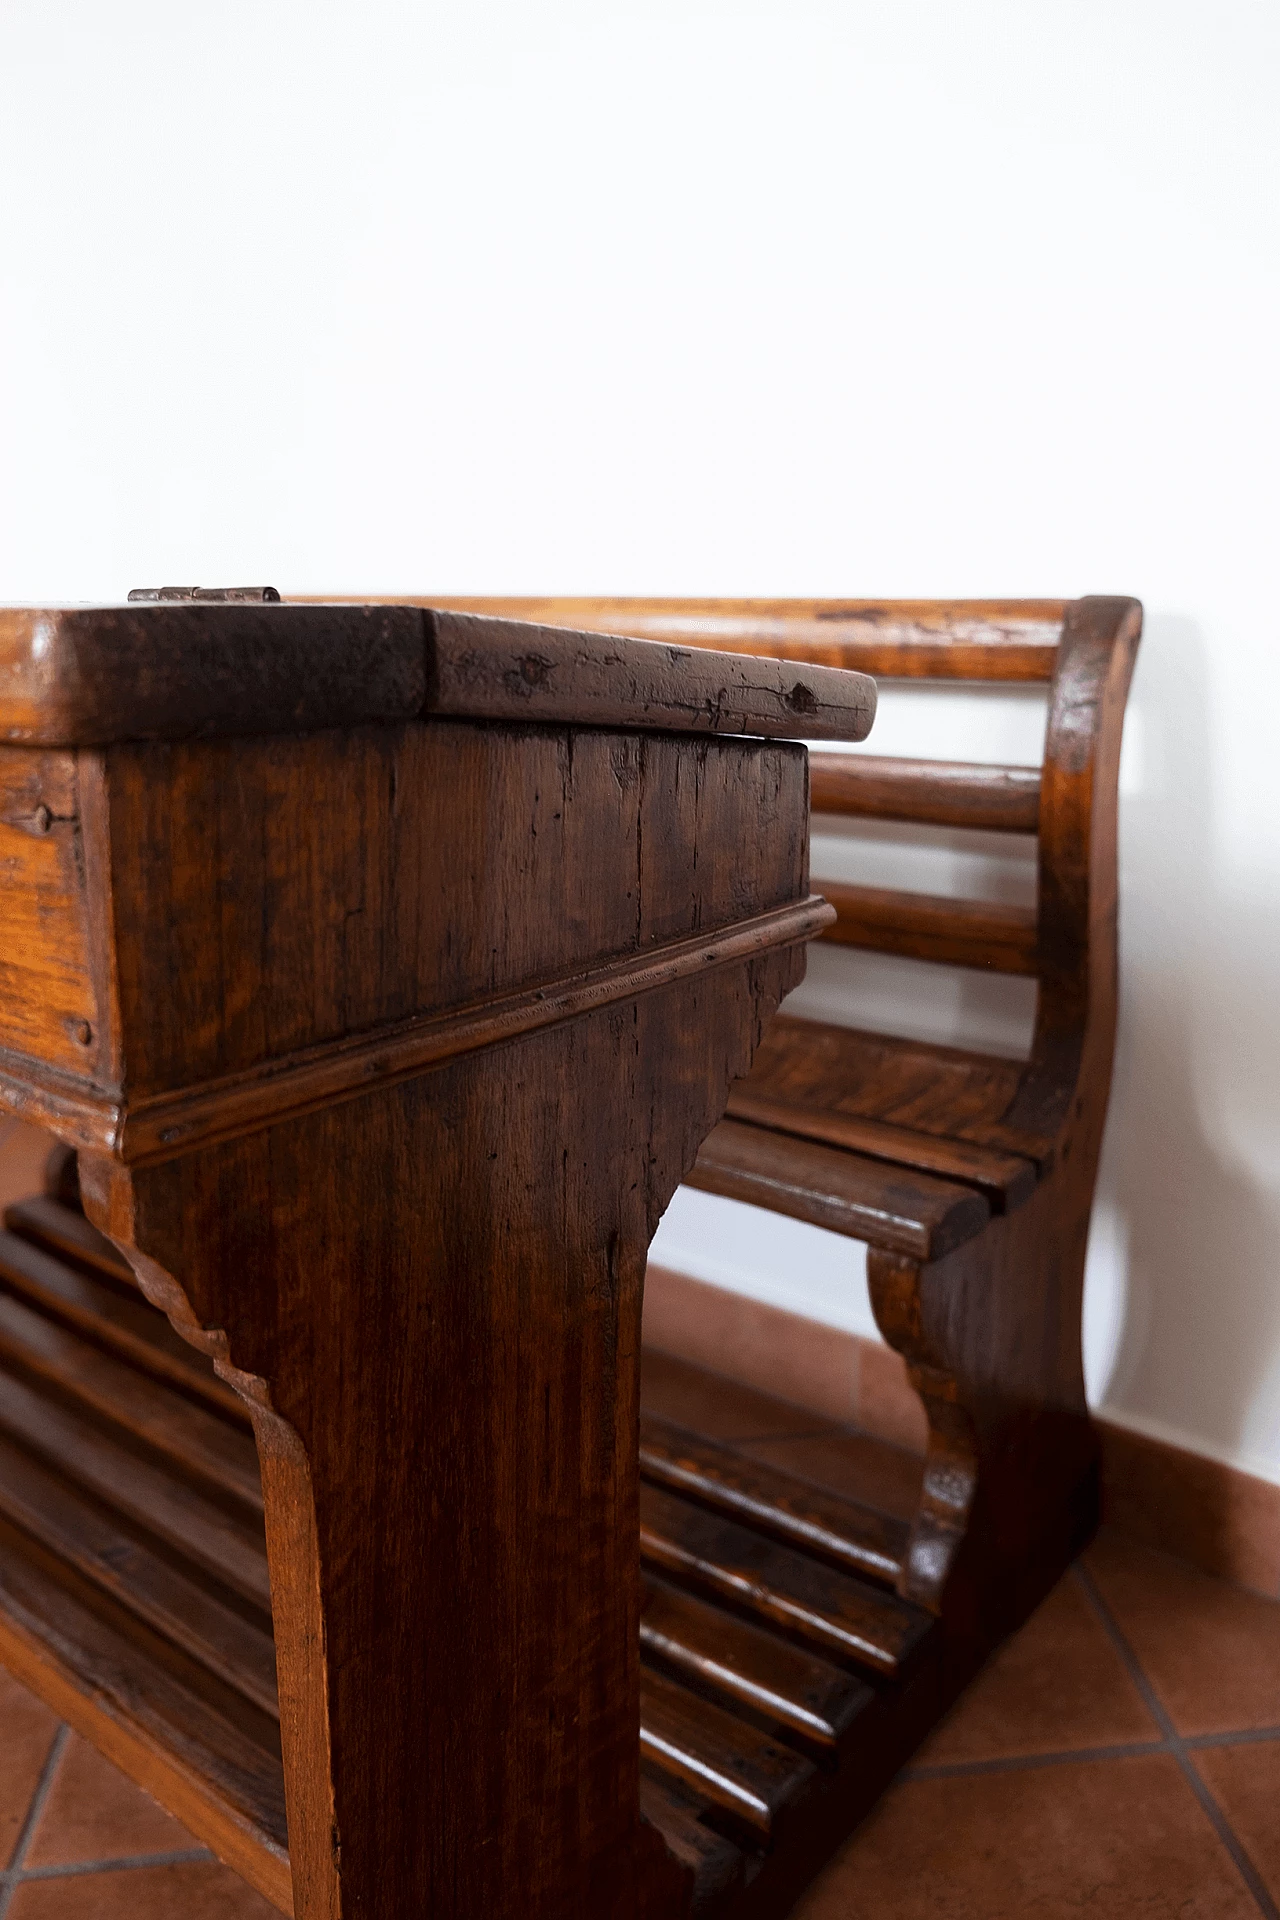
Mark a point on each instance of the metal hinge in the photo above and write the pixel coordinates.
(257, 596)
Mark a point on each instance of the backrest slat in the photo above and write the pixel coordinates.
(992, 640)
(939, 793)
(927, 926)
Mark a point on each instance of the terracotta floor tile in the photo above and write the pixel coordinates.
(720, 1409)
(1116, 1839)
(26, 1733)
(95, 1813)
(198, 1891)
(1245, 1782)
(1211, 1651)
(781, 1354)
(1057, 1686)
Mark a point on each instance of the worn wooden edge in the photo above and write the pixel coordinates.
(909, 1212)
(1006, 1179)
(998, 640)
(163, 1126)
(236, 1841)
(90, 676)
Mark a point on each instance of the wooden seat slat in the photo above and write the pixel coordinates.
(124, 1325)
(990, 938)
(174, 1601)
(840, 1616)
(208, 1755)
(811, 1518)
(849, 1193)
(229, 1550)
(197, 1444)
(1005, 1179)
(747, 1666)
(47, 1223)
(945, 1092)
(750, 1775)
(718, 1867)
(940, 793)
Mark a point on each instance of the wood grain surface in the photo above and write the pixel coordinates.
(89, 676)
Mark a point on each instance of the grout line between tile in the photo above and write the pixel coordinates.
(70, 1869)
(44, 1785)
(1028, 1762)
(1243, 1737)
(1126, 1750)
(1176, 1745)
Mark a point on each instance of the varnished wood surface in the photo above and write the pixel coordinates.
(956, 639)
(49, 1003)
(935, 793)
(89, 676)
(751, 1718)
(789, 1641)
(922, 926)
(1005, 1179)
(849, 1193)
(944, 1092)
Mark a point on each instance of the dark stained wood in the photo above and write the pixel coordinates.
(717, 1866)
(199, 1747)
(937, 793)
(750, 1776)
(845, 1192)
(825, 1525)
(181, 1607)
(90, 676)
(946, 640)
(1005, 1179)
(717, 1653)
(367, 899)
(388, 1145)
(227, 1547)
(120, 1324)
(210, 1453)
(944, 1092)
(357, 836)
(838, 1615)
(925, 926)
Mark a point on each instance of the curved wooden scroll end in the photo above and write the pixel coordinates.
(315, 1846)
(107, 1195)
(951, 1462)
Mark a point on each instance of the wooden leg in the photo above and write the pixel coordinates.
(991, 1335)
(430, 1297)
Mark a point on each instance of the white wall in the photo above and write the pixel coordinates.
(891, 298)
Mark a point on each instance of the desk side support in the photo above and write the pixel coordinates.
(402, 1038)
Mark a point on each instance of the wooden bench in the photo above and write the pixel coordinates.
(800, 1622)
(969, 1177)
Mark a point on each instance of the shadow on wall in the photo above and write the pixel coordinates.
(1187, 1228)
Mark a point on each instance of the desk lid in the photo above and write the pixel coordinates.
(175, 669)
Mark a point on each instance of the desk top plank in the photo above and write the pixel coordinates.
(91, 676)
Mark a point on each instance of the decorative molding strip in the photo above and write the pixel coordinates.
(81, 1114)
(163, 1126)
